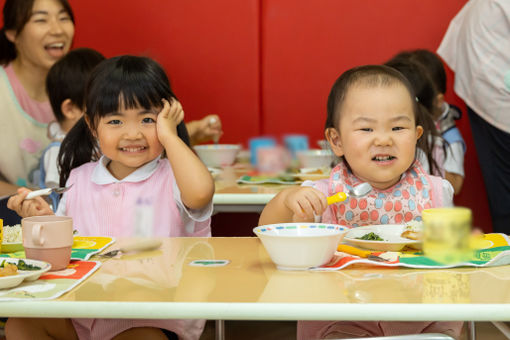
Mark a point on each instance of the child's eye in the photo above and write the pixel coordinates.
(148, 120)
(366, 129)
(114, 122)
(397, 128)
(40, 20)
(66, 18)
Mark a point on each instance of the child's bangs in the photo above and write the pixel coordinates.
(128, 93)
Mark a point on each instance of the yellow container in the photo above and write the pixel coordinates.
(446, 234)
(1, 233)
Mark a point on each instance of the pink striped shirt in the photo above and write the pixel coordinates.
(102, 205)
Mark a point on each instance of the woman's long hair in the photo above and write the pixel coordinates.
(124, 81)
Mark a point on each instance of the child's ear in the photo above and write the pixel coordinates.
(419, 131)
(333, 137)
(89, 125)
(10, 35)
(70, 110)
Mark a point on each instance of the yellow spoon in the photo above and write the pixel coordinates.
(358, 191)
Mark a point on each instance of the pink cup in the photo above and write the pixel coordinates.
(48, 238)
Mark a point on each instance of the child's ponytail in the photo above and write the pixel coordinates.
(78, 147)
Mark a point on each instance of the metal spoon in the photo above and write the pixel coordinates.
(46, 192)
(358, 191)
(215, 138)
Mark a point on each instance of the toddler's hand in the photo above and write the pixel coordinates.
(168, 119)
(305, 203)
(26, 208)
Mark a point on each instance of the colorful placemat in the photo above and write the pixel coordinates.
(51, 285)
(489, 250)
(262, 179)
(83, 247)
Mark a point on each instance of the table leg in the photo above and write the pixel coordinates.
(220, 329)
(471, 330)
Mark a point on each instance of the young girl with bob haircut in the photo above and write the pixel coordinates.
(372, 125)
(132, 118)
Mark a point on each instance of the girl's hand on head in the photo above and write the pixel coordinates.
(168, 119)
(306, 203)
(26, 208)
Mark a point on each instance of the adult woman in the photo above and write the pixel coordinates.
(35, 35)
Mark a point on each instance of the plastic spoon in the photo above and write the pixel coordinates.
(358, 191)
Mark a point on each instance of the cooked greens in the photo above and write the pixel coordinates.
(22, 265)
(370, 237)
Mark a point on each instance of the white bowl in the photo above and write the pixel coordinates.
(217, 155)
(299, 246)
(315, 158)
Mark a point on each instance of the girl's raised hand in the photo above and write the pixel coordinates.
(168, 119)
(305, 203)
(26, 208)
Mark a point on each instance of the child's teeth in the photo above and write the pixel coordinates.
(132, 149)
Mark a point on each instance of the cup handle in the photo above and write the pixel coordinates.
(36, 235)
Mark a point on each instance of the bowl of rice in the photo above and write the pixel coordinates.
(12, 239)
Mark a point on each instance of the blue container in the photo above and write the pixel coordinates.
(259, 142)
(295, 143)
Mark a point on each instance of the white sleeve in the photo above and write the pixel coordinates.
(190, 216)
(454, 160)
(52, 178)
(447, 193)
(61, 209)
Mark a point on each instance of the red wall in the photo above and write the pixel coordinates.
(266, 66)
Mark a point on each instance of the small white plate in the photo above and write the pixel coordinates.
(389, 232)
(23, 275)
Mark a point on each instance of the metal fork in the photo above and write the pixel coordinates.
(46, 192)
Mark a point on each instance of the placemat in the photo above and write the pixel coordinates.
(83, 247)
(490, 250)
(51, 285)
(261, 179)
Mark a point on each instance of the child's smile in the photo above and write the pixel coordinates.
(378, 133)
(129, 139)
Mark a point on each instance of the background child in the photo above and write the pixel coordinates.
(128, 113)
(445, 122)
(372, 125)
(443, 115)
(65, 85)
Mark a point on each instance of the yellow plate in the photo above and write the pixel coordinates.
(11, 247)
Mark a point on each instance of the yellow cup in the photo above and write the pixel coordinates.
(446, 234)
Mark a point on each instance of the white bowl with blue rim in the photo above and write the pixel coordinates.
(300, 246)
(217, 155)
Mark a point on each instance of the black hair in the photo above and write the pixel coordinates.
(426, 95)
(68, 77)
(16, 14)
(367, 75)
(434, 65)
(124, 81)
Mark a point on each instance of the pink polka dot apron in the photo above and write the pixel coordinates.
(399, 204)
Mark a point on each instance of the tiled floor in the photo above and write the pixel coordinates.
(286, 330)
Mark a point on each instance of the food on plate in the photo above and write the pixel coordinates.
(413, 230)
(370, 237)
(12, 234)
(8, 269)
